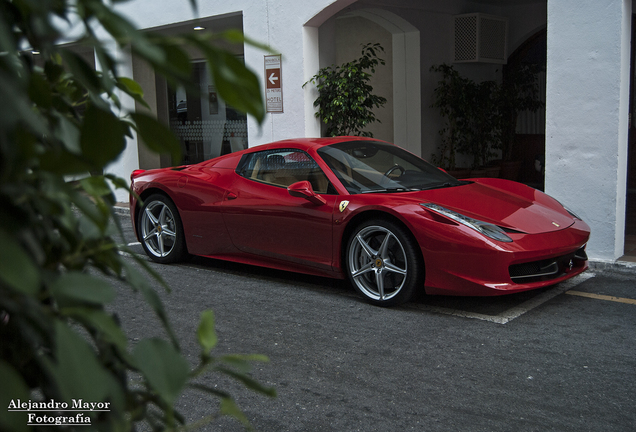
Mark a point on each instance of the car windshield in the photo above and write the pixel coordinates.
(369, 166)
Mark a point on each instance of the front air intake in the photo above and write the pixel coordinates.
(547, 269)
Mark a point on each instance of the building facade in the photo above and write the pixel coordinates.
(582, 133)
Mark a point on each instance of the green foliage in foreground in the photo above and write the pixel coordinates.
(58, 256)
(345, 98)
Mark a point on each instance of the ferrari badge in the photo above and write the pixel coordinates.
(343, 205)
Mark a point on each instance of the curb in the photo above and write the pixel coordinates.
(621, 267)
(121, 209)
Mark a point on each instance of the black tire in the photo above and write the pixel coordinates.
(161, 230)
(384, 263)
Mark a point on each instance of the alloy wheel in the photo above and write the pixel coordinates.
(158, 229)
(378, 263)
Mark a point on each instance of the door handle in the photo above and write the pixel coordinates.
(231, 196)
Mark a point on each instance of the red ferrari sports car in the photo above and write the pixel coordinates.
(362, 209)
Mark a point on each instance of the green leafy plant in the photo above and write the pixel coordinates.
(481, 118)
(471, 114)
(59, 117)
(453, 102)
(345, 98)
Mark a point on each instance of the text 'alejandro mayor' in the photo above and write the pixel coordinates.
(76, 404)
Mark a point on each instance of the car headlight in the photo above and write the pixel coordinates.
(485, 228)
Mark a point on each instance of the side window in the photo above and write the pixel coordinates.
(283, 167)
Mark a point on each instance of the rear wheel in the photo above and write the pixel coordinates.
(160, 230)
(383, 263)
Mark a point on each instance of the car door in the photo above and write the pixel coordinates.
(264, 219)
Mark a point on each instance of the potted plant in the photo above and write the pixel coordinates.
(452, 100)
(345, 100)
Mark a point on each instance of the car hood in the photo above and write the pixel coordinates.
(507, 204)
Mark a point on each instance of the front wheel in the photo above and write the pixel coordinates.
(383, 263)
(160, 230)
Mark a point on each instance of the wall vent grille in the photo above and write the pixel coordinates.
(480, 38)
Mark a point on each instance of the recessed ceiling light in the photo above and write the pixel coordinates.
(35, 52)
(199, 28)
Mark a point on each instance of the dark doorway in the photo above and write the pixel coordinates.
(630, 211)
(529, 144)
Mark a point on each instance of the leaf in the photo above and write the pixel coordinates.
(102, 136)
(210, 390)
(81, 71)
(16, 107)
(97, 214)
(138, 281)
(68, 133)
(96, 186)
(230, 408)
(100, 321)
(165, 370)
(76, 287)
(248, 381)
(231, 358)
(39, 90)
(124, 32)
(62, 162)
(13, 387)
(17, 269)
(236, 84)
(177, 60)
(76, 371)
(133, 89)
(157, 136)
(118, 182)
(205, 333)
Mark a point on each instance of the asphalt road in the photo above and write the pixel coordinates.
(560, 359)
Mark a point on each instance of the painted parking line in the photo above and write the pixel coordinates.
(602, 297)
(515, 312)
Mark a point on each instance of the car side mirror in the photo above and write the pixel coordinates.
(303, 189)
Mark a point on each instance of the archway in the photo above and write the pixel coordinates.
(406, 94)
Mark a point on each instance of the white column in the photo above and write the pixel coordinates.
(587, 113)
(256, 27)
(129, 159)
(311, 65)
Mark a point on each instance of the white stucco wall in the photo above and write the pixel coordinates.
(587, 114)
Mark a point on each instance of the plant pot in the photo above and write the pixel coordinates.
(510, 170)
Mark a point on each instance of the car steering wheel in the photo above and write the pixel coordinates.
(393, 168)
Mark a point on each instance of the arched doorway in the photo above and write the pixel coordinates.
(405, 64)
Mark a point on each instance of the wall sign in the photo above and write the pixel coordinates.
(273, 84)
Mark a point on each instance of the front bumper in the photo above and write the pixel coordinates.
(461, 262)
